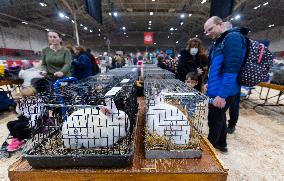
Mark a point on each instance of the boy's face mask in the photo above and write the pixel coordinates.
(193, 51)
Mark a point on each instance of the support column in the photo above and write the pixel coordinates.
(76, 29)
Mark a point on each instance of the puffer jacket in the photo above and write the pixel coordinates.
(82, 66)
(225, 63)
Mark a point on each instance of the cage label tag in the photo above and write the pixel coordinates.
(113, 91)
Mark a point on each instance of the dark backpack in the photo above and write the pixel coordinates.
(5, 101)
(256, 65)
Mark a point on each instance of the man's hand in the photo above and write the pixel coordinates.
(58, 74)
(219, 102)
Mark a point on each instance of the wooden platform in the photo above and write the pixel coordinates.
(267, 96)
(11, 82)
(206, 168)
(272, 86)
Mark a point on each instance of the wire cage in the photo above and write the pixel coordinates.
(157, 73)
(90, 123)
(149, 66)
(174, 119)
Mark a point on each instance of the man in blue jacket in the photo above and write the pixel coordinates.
(226, 58)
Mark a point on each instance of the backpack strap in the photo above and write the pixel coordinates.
(245, 52)
(261, 53)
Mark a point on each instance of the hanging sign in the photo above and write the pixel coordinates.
(148, 38)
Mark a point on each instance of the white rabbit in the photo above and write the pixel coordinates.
(90, 127)
(167, 120)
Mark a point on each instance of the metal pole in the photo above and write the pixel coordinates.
(108, 45)
(76, 30)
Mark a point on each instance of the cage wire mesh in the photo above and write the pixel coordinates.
(175, 115)
(157, 73)
(93, 120)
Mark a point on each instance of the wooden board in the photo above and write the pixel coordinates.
(11, 82)
(207, 167)
(272, 86)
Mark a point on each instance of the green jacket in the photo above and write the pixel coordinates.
(54, 61)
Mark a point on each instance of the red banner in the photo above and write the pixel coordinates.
(148, 38)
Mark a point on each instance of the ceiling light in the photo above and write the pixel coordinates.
(47, 29)
(203, 1)
(151, 13)
(189, 15)
(237, 17)
(256, 7)
(72, 21)
(176, 29)
(271, 25)
(171, 10)
(150, 21)
(81, 25)
(181, 23)
(126, 36)
(124, 33)
(123, 28)
(196, 36)
(99, 34)
(115, 14)
(61, 15)
(24, 22)
(153, 0)
(266, 3)
(43, 4)
(182, 15)
(176, 42)
(168, 36)
(63, 34)
(66, 17)
(109, 13)
(172, 29)
(91, 31)
(85, 28)
(149, 28)
(155, 43)
(105, 38)
(129, 9)
(99, 29)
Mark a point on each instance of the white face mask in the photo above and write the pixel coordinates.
(193, 51)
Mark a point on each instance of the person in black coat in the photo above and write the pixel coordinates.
(81, 66)
(193, 59)
(95, 66)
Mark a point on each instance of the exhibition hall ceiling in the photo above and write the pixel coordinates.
(125, 21)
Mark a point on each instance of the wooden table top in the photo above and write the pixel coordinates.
(272, 86)
(207, 164)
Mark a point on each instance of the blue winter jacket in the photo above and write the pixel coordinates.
(226, 58)
(82, 66)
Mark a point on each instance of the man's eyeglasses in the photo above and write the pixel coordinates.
(209, 30)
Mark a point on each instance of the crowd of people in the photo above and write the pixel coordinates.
(214, 74)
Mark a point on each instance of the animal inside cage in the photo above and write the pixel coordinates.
(157, 74)
(99, 134)
(174, 119)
